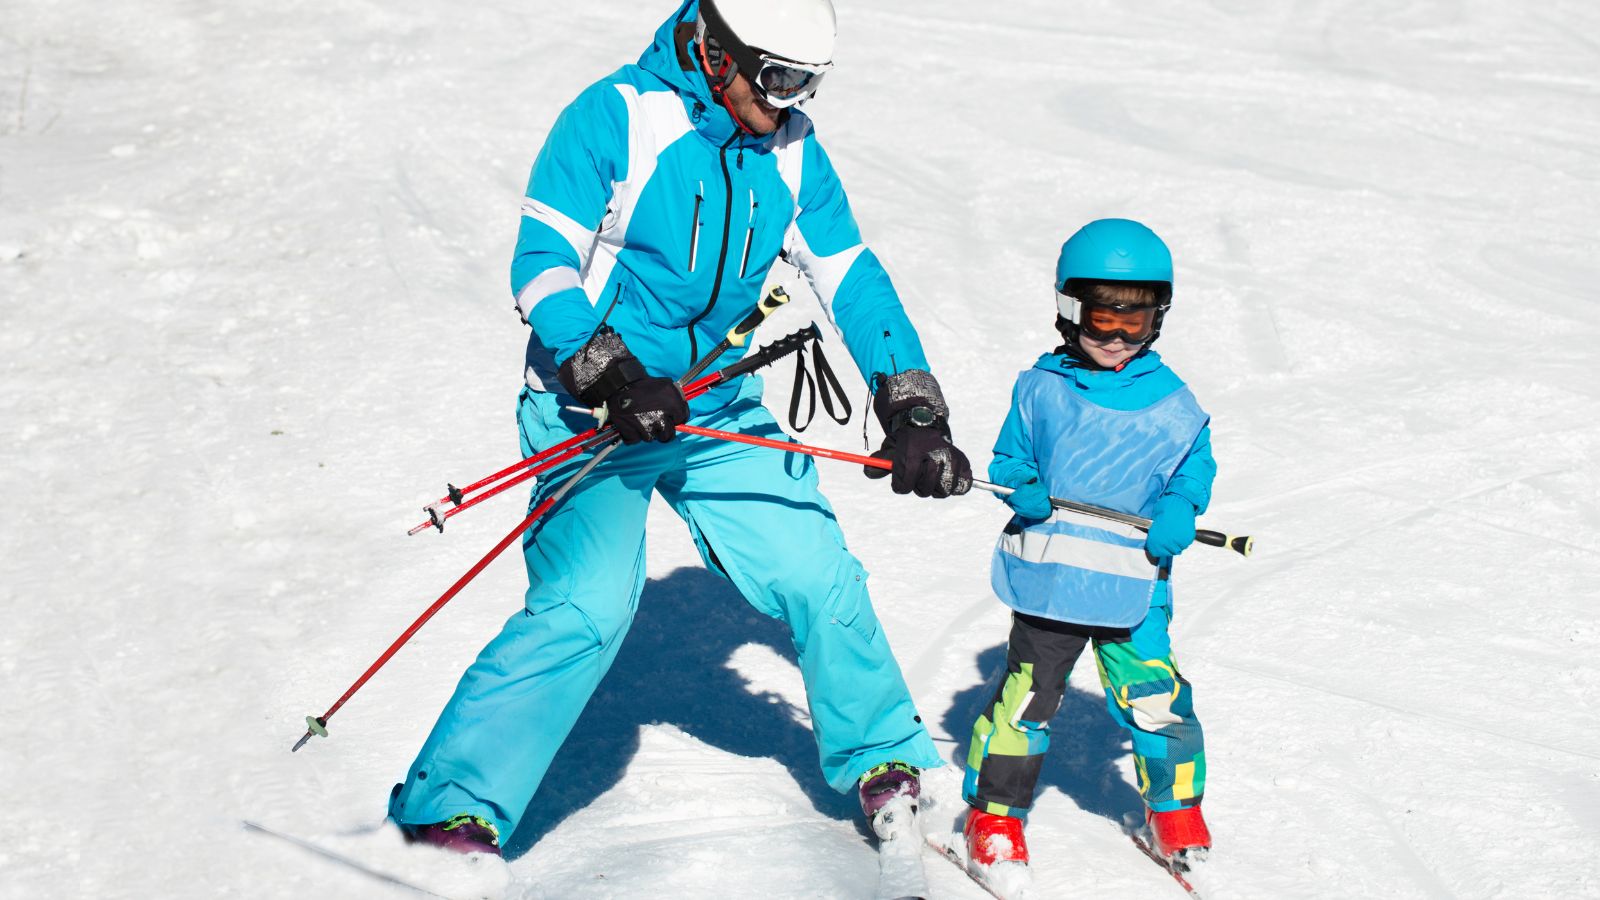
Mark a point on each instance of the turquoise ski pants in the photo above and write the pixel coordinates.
(757, 517)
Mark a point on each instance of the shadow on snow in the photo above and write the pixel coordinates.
(674, 668)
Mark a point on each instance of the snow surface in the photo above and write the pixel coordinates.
(254, 313)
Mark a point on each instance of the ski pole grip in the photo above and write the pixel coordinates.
(768, 305)
(1243, 545)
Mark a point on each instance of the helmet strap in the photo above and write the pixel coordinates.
(719, 75)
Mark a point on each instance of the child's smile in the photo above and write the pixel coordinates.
(1110, 354)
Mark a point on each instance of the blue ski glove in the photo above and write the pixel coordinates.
(1171, 528)
(1030, 501)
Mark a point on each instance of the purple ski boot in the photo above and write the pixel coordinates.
(880, 787)
(461, 834)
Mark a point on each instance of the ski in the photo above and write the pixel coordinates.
(1015, 884)
(900, 872)
(384, 856)
(1177, 872)
(348, 861)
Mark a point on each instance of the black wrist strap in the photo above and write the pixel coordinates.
(825, 382)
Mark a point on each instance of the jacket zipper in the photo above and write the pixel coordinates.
(722, 257)
(694, 225)
(749, 236)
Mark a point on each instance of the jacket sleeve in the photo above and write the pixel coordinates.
(825, 245)
(568, 195)
(1013, 464)
(1192, 480)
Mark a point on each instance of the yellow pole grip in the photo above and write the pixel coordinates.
(768, 305)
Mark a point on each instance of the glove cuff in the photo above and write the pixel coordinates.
(600, 368)
(903, 391)
(1166, 501)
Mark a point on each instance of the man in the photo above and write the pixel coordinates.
(661, 199)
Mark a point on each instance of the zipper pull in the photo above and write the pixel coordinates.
(740, 161)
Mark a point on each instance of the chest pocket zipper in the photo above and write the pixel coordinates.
(694, 224)
(749, 235)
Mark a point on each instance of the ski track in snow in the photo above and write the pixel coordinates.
(253, 314)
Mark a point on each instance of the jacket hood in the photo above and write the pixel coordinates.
(661, 59)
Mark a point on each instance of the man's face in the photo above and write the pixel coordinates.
(750, 108)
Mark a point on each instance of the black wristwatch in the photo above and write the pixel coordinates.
(916, 416)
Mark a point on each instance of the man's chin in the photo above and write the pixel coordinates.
(770, 119)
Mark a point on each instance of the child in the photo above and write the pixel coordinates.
(1100, 420)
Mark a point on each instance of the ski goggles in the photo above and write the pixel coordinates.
(1109, 321)
(782, 83)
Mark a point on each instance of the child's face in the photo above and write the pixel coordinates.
(1110, 353)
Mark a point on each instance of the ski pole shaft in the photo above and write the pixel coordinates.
(737, 337)
(318, 725)
(1240, 544)
(546, 459)
(540, 462)
(437, 518)
(1243, 545)
(789, 446)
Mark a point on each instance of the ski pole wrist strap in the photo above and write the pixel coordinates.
(824, 382)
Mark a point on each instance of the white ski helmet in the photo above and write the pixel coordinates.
(783, 46)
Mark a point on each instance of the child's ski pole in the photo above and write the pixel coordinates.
(1240, 544)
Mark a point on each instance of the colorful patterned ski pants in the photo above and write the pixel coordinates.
(1144, 692)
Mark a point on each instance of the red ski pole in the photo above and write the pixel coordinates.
(1243, 545)
(318, 725)
(545, 460)
(692, 387)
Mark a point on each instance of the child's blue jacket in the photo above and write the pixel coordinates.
(1114, 439)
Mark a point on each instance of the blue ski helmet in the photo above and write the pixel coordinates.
(1114, 250)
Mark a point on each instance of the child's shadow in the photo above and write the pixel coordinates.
(1085, 743)
(673, 667)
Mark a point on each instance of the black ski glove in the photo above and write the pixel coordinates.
(916, 437)
(640, 406)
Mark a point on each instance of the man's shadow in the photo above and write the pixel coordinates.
(674, 667)
(1085, 742)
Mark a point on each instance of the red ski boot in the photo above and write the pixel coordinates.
(1179, 836)
(994, 839)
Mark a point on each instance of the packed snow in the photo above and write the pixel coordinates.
(254, 314)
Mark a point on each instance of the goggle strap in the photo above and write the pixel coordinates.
(1070, 307)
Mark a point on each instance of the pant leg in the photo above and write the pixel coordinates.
(1147, 695)
(1010, 739)
(758, 516)
(518, 701)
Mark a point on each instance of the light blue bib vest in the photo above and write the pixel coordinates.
(1072, 567)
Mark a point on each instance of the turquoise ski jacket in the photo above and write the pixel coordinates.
(648, 195)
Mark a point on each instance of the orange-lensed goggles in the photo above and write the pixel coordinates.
(1108, 321)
